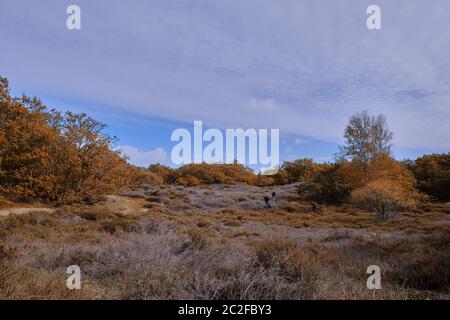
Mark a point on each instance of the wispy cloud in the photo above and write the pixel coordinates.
(301, 66)
(263, 105)
(144, 158)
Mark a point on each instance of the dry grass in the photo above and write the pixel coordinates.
(218, 243)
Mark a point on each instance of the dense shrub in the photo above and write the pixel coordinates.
(329, 185)
(297, 171)
(383, 196)
(49, 156)
(204, 174)
(389, 186)
(334, 183)
(356, 174)
(432, 173)
(163, 172)
(141, 176)
(385, 167)
(266, 180)
(332, 187)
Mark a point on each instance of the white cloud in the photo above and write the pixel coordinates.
(144, 158)
(300, 141)
(304, 66)
(267, 105)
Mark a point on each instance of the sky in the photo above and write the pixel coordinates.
(147, 67)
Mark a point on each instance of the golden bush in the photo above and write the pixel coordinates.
(163, 172)
(297, 170)
(384, 196)
(205, 174)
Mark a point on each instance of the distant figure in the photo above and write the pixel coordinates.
(266, 202)
(315, 208)
(274, 199)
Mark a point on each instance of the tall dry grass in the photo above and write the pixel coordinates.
(166, 253)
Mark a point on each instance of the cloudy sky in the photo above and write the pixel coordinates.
(303, 66)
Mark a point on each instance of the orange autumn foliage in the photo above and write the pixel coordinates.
(297, 171)
(204, 174)
(47, 156)
(383, 196)
(390, 187)
(383, 166)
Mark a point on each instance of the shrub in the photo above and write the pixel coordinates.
(205, 174)
(431, 274)
(385, 167)
(297, 170)
(328, 186)
(335, 182)
(432, 173)
(332, 187)
(266, 180)
(390, 187)
(143, 176)
(163, 173)
(383, 197)
(198, 239)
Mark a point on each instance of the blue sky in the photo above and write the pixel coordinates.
(146, 68)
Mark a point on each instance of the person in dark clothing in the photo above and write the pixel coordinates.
(274, 199)
(315, 208)
(266, 202)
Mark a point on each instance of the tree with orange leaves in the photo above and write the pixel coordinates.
(45, 155)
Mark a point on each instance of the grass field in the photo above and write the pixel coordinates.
(217, 242)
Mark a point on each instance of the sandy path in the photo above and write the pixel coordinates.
(19, 211)
(124, 205)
